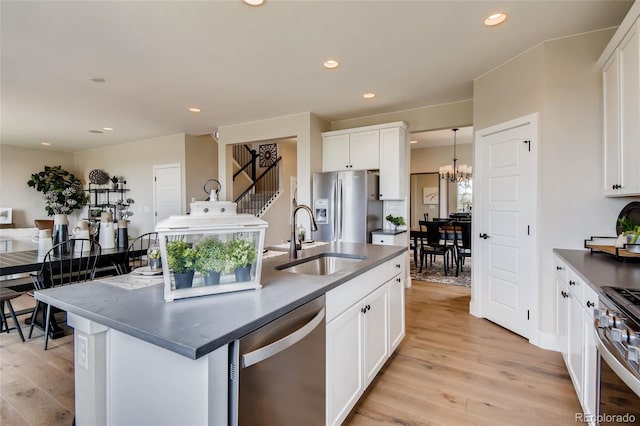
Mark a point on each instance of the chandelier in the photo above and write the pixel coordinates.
(455, 172)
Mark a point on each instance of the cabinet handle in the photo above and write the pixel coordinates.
(616, 186)
(380, 196)
(572, 282)
(381, 241)
(364, 310)
(368, 307)
(398, 279)
(590, 304)
(559, 268)
(398, 265)
(564, 294)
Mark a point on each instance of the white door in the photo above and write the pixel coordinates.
(504, 238)
(167, 191)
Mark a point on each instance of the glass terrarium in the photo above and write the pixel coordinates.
(213, 250)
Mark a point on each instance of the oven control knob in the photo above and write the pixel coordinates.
(633, 353)
(606, 319)
(619, 334)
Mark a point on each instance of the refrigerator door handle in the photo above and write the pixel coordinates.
(339, 211)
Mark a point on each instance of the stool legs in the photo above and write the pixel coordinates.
(13, 316)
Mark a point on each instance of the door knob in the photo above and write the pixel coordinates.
(484, 236)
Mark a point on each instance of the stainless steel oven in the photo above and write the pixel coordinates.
(617, 323)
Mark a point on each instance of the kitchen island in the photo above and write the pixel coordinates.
(141, 360)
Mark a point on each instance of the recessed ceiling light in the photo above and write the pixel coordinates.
(369, 95)
(96, 131)
(97, 79)
(254, 2)
(495, 19)
(330, 64)
(45, 143)
(194, 109)
(414, 141)
(107, 128)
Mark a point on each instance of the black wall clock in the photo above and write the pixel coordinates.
(268, 154)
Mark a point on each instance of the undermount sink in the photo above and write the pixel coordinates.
(321, 264)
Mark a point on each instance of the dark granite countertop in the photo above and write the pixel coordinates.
(388, 231)
(600, 269)
(196, 326)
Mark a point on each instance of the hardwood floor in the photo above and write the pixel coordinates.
(455, 369)
(451, 369)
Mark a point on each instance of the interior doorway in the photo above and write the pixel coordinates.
(424, 197)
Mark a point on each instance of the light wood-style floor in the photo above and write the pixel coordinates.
(455, 369)
(451, 369)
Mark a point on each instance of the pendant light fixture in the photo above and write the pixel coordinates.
(455, 173)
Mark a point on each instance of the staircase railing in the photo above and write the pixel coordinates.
(246, 156)
(261, 191)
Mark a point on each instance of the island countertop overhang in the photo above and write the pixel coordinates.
(197, 326)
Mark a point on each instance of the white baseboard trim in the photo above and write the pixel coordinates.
(546, 341)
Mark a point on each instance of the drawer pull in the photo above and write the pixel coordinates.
(398, 265)
(572, 282)
(559, 268)
(398, 279)
(590, 304)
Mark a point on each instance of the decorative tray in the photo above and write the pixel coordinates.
(607, 245)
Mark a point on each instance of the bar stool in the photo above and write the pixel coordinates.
(6, 294)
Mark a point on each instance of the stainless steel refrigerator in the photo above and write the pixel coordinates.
(346, 206)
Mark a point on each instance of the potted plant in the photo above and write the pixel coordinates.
(154, 257)
(395, 221)
(240, 254)
(210, 260)
(630, 234)
(181, 260)
(63, 194)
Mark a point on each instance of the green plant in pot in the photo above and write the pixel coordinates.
(210, 260)
(240, 254)
(181, 258)
(395, 220)
(629, 236)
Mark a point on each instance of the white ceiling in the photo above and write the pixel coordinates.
(435, 138)
(240, 63)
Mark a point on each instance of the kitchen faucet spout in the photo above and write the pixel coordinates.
(293, 252)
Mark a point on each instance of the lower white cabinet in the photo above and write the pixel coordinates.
(387, 239)
(574, 331)
(361, 337)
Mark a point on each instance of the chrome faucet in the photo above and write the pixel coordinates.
(293, 251)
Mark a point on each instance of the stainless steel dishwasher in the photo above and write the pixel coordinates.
(278, 371)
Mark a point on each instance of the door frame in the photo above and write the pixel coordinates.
(475, 305)
(180, 172)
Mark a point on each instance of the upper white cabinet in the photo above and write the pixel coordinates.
(351, 151)
(621, 94)
(381, 147)
(393, 176)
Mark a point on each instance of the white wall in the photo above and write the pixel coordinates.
(558, 79)
(201, 164)
(16, 167)
(135, 161)
(427, 160)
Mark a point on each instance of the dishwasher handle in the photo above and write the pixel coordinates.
(278, 346)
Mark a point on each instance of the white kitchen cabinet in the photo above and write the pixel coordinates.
(562, 308)
(396, 309)
(345, 382)
(388, 238)
(375, 345)
(574, 329)
(621, 94)
(351, 151)
(362, 336)
(393, 179)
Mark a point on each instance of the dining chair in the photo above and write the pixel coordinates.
(431, 244)
(462, 243)
(6, 295)
(76, 267)
(136, 255)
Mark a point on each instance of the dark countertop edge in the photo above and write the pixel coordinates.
(388, 232)
(600, 261)
(195, 353)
